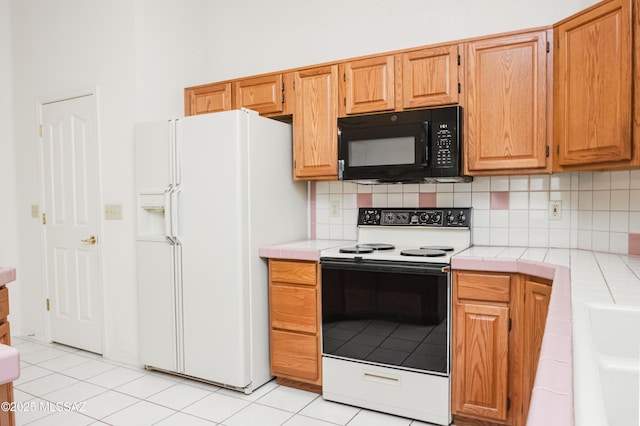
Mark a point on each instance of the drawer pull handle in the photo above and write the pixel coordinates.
(381, 379)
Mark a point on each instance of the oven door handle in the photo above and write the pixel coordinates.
(359, 264)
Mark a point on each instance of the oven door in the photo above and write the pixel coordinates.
(392, 314)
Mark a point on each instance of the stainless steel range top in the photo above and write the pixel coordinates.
(408, 235)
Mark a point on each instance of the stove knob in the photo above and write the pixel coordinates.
(424, 218)
(436, 218)
(449, 217)
(461, 218)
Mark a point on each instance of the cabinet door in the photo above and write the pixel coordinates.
(261, 94)
(430, 77)
(295, 355)
(207, 98)
(506, 88)
(592, 83)
(315, 123)
(367, 85)
(537, 293)
(479, 377)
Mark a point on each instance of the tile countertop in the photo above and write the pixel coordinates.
(300, 250)
(7, 275)
(567, 388)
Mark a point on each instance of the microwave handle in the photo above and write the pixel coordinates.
(340, 169)
(427, 144)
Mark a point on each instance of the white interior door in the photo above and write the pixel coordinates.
(71, 206)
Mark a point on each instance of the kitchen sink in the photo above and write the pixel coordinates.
(615, 335)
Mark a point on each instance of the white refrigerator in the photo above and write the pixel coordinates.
(212, 189)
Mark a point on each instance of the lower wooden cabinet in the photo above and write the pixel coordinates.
(7, 418)
(498, 323)
(294, 312)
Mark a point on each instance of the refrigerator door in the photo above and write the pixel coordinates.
(158, 310)
(158, 256)
(216, 313)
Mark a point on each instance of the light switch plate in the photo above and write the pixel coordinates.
(35, 211)
(555, 210)
(113, 211)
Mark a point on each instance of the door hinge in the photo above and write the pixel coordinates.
(548, 47)
(282, 91)
(558, 46)
(44, 218)
(547, 150)
(458, 59)
(509, 324)
(558, 150)
(41, 130)
(344, 101)
(459, 87)
(48, 305)
(508, 404)
(344, 76)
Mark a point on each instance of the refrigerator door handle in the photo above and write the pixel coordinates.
(175, 212)
(168, 232)
(177, 150)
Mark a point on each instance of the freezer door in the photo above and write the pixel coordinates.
(158, 294)
(154, 150)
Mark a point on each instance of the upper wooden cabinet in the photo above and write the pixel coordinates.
(367, 85)
(266, 94)
(593, 114)
(430, 77)
(506, 104)
(207, 98)
(315, 123)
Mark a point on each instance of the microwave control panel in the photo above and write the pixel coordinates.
(444, 146)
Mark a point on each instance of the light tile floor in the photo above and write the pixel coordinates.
(59, 385)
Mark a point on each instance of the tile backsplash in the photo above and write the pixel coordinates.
(599, 210)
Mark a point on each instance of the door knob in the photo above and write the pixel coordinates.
(91, 240)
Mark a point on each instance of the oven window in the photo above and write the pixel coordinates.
(394, 319)
(382, 152)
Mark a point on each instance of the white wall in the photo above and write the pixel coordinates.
(133, 53)
(250, 37)
(8, 234)
(140, 55)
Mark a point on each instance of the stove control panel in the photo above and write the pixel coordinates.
(447, 218)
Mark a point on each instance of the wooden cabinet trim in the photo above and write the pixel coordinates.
(207, 98)
(4, 303)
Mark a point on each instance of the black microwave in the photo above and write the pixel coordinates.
(402, 147)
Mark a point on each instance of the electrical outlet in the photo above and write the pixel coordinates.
(555, 210)
(335, 209)
(113, 211)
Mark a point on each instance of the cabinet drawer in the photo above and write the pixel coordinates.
(483, 286)
(294, 355)
(294, 308)
(4, 303)
(293, 272)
